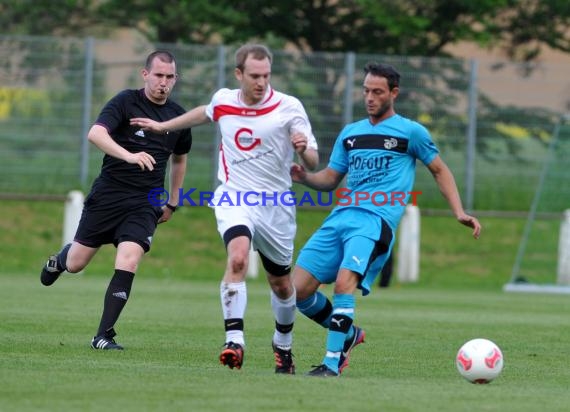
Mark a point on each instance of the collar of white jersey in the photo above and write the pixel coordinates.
(269, 94)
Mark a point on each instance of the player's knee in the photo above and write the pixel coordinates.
(302, 293)
(76, 264)
(281, 286)
(344, 288)
(129, 254)
(305, 284)
(238, 263)
(127, 261)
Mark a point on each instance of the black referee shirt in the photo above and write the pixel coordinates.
(115, 118)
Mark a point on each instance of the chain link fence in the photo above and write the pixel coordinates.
(492, 120)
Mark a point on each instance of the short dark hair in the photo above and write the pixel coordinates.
(258, 52)
(384, 70)
(163, 55)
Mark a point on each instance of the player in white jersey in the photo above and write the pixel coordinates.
(261, 130)
(256, 148)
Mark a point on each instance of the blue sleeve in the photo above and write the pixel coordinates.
(421, 145)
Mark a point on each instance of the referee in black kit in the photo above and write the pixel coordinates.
(118, 210)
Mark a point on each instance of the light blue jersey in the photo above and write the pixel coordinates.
(380, 164)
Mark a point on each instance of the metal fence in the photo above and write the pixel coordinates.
(492, 120)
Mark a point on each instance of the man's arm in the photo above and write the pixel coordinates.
(194, 117)
(309, 157)
(177, 173)
(99, 136)
(324, 180)
(448, 188)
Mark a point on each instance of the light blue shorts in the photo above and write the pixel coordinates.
(351, 239)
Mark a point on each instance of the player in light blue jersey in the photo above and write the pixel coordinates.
(378, 156)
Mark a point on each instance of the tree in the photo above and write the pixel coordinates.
(532, 25)
(404, 27)
(412, 27)
(47, 17)
(174, 21)
(521, 28)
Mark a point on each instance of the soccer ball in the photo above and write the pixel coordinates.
(479, 361)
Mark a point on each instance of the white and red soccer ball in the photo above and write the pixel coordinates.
(479, 361)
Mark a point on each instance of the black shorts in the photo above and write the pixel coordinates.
(112, 214)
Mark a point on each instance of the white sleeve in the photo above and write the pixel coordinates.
(300, 122)
(214, 102)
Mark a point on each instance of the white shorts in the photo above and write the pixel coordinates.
(272, 226)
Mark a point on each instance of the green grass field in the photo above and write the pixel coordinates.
(172, 329)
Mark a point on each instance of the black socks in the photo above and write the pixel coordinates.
(116, 298)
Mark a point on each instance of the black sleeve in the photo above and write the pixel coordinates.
(113, 113)
(184, 143)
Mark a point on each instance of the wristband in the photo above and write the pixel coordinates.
(172, 208)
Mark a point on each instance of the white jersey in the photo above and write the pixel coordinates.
(256, 151)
